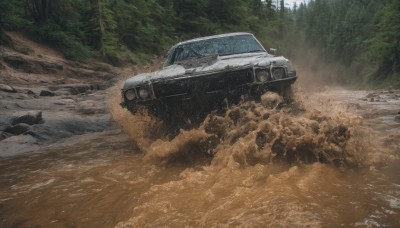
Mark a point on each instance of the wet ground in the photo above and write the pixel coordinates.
(229, 172)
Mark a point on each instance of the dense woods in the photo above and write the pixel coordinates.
(362, 36)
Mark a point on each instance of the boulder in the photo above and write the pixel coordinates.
(18, 129)
(28, 117)
(30, 65)
(4, 135)
(20, 64)
(7, 88)
(30, 92)
(46, 93)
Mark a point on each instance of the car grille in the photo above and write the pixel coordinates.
(203, 84)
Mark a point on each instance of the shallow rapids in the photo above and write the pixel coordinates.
(322, 161)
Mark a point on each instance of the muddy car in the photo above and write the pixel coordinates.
(208, 73)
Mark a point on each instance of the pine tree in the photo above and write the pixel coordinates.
(103, 28)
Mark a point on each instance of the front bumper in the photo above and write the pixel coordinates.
(252, 89)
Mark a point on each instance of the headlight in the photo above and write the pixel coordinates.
(262, 75)
(130, 95)
(278, 73)
(144, 94)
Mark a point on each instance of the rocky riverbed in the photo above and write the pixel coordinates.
(45, 98)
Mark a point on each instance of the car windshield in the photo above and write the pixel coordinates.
(221, 46)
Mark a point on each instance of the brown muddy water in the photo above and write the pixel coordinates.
(330, 160)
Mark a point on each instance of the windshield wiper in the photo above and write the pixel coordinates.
(255, 51)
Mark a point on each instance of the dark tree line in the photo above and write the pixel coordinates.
(129, 29)
(361, 35)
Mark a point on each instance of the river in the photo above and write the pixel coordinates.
(331, 161)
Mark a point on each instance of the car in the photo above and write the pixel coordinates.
(208, 73)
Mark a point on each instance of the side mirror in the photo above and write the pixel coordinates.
(273, 51)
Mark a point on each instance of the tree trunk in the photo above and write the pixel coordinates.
(39, 9)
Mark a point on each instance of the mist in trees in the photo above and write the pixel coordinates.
(361, 36)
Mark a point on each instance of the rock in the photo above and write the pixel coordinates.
(51, 67)
(30, 92)
(4, 135)
(18, 63)
(18, 144)
(30, 65)
(28, 117)
(397, 117)
(2, 67)
(370, 95)
(75, 89)
(22, 96)
(18, 129)
(7, 88)
(46, 93)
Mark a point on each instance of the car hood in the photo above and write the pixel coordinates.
(220, 64)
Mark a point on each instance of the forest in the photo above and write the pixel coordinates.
(361, 38)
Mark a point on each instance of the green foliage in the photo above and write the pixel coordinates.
(384, 45)
(56, 23)
(102, 27)
(11, 17)
(56, 37)
(121, 30)
(361, 36)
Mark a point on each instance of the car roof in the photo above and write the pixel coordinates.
(214, 36)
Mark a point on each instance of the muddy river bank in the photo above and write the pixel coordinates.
(332, 160)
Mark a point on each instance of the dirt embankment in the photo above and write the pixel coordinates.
(44, 97)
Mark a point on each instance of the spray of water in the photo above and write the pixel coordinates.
(265, 162)
(307, 131)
